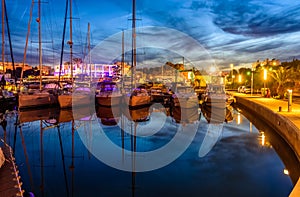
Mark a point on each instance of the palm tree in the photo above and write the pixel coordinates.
(281, 75)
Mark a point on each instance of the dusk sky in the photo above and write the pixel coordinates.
(226, 31)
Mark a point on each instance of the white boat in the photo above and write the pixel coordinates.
(185, 97)
(36, 99)
(80, 97)
(41, 97)
(215, 96)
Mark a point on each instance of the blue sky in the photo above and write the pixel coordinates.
(227, 31)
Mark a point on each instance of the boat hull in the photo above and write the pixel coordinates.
(109, 100)
(36, 100)
(137, 101)
(70, 100)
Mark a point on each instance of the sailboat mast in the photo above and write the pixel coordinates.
(40, 43)
(26, 43)
(3, 36)
(63, 41)
(122, 62)
(71, 44)
(133, 43)
(89, 51)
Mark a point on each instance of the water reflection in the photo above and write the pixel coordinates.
(269, 138)
(53, 161)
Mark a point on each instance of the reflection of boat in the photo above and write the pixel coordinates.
(216, 115)
(137, 115)
(138, 98)
(185, 115)
(109, 115)
(185, 97)
(31, 115)
(81, 96)
(216, 96)
(108, 94)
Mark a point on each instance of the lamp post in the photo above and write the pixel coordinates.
(240, 78)
(252, 73)
(265, 78)
(231, 67)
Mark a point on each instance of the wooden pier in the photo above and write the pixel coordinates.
(10, 183)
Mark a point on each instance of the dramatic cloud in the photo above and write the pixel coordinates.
(231, 31)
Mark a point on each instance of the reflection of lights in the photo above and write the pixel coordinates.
(238, 119)
(240, 78)
(285, 171)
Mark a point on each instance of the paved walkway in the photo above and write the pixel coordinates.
(274, 105)
(10, 184)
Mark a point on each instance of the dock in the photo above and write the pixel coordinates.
(10, 183)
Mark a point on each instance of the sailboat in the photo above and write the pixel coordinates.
(78, 96)
(39, 97)
(139, 96)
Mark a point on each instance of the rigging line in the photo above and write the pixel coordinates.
(26, 43)
(63, 41)
(78, 26)
(3, 36)
(10, 44)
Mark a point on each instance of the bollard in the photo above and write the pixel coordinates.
(280, 109)
(289, 94)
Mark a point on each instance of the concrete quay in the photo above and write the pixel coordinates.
(274, 112)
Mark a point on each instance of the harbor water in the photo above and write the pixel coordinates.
(55, 153)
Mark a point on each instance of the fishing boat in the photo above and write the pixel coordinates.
(108, 94)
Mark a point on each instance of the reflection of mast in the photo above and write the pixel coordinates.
(42, 159)
(133, 151)
(63, 159)
(72, 164)
(27, 160)
(15, 134)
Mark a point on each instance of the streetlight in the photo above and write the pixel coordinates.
(240, 78)
(252, 72)
(265, 78)
(231, 67)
